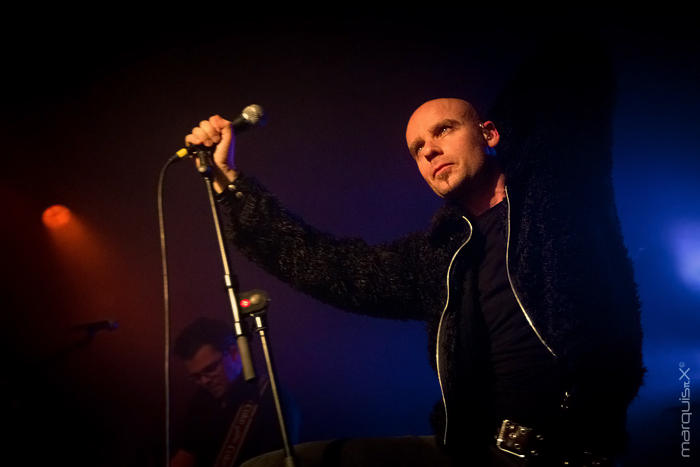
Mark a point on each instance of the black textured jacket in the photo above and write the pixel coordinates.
(566, 259)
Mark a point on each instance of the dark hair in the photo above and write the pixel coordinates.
(201, 332)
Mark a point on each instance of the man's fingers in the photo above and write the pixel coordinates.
(192, 139)
(202, 137)
(209, 132)
(213, 134)
(220, 124)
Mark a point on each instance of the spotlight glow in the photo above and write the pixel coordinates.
(685, 241)
(56, 216)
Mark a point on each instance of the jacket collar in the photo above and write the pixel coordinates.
(447, 223)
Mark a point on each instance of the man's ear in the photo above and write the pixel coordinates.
(491, 135)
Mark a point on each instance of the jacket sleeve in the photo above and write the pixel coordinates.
(346, 273)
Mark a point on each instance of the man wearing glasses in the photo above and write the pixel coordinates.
(228, 420)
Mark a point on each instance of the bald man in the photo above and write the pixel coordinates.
(451, 148)
(522, 277)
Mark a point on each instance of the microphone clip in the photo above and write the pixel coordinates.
(205, 156)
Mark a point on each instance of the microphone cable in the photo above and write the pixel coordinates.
(166, 297)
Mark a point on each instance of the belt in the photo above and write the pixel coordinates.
(527, 443)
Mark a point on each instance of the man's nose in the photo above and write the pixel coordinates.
(430, 151)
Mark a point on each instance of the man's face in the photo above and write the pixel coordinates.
(445, 140)
(214, 370)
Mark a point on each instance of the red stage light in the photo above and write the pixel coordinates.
(245, 303)
(56, 216)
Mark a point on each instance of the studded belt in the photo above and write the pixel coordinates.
(527, 443)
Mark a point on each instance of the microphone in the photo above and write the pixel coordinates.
(252, 116)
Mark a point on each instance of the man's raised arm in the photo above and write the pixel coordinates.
(346, 273)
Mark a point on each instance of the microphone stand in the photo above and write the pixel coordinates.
(256, 302)
(205, 169)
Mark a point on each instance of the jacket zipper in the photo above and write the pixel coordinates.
(447, 301)
(512, 286)
(442, 315)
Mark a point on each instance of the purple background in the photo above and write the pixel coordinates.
(93, 111)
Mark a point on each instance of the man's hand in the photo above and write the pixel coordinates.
(217, 131)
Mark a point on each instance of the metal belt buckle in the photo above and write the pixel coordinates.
(518, 440)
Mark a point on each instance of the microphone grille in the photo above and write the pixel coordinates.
(253, 114)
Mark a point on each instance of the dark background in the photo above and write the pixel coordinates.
(93, 108)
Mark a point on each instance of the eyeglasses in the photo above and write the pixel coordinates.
(208, 371)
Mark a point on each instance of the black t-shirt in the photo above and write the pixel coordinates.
(523, 379)
(208, 423)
